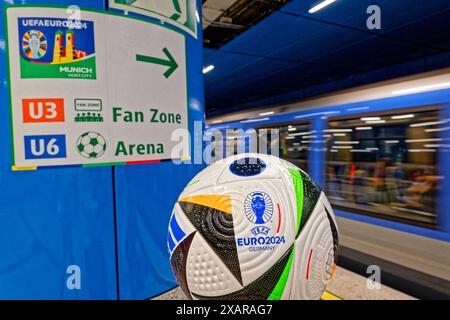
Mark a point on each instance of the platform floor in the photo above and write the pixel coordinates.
(345, 285)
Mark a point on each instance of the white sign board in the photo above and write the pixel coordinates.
(102, 89)
(180, 13)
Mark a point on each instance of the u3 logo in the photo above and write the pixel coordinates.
(43, 110)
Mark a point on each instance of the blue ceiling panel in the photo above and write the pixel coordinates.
(435, 32)
(225, 63)
(365, 55)
(271, 34)
(257, 70)
(400, 13)
(337, 12)
(207, 52)
(321, 43)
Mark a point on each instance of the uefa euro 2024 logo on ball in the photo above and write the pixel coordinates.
(258, 207)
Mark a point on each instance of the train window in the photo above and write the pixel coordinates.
(293, 141)
(386, 164)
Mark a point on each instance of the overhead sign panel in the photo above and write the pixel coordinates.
(101, 90)
(180, 13)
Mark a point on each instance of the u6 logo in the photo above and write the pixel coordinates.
(45, 147)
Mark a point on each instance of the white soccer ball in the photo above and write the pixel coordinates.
(253, 227)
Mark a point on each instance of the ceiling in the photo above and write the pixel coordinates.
(223, 20)
(291, 50)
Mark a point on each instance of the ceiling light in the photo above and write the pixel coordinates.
(208, 69)
(358, 109)
(338, 130)
(426, 124)
(403, 116)
(217, 121)
(436, 145)
(363, 128)
(376, 122)
(302, 133)
(424, 140)
(267, 113)
(421, 150)
(360, 150)
(346, 142)
(437, 129)
(371, 119)
(310, 115)
(254, 120)
(320, 6)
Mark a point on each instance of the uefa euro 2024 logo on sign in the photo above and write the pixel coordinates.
(34, 44)
(56, 48)
(258, 207)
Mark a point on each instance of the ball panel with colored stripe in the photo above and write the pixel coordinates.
(252, 227)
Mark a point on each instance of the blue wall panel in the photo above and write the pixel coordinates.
(53, 218)
(145, 196)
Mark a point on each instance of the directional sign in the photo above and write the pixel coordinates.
(180, 13)
(106, 89)
(169, 62)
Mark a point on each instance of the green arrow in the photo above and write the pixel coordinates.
(170, 62)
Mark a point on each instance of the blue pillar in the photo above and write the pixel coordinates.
(53, 219)
(146, 194)
(317, 153)
(443, 205)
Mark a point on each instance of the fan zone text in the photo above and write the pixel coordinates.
(154, 116)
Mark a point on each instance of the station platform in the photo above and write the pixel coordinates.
(346, 285)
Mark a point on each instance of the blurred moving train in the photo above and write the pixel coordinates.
(382, 155)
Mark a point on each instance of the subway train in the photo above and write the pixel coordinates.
(382, 155)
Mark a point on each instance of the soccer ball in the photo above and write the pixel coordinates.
(254, 227)
(91, 145)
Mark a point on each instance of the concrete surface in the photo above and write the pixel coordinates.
(345, 284)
